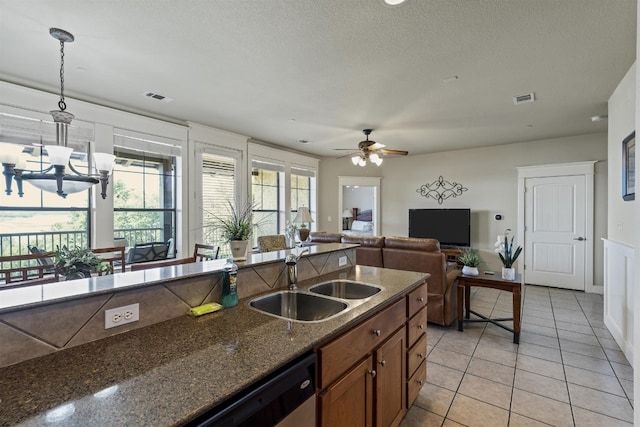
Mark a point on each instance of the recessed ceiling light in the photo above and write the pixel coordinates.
(450, 79)
(394, 2)
(599, 118)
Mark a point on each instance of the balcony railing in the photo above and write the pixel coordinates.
(17, 243)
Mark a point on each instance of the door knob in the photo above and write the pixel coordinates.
(382, 363)
(373, 373)
(580, 239)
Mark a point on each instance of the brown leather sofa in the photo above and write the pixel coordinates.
(423, 255)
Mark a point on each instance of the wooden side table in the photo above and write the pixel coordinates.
(492, 281)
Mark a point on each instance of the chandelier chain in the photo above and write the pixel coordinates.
(61, 104)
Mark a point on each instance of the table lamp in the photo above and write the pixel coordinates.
(346, 214)
(302, 218)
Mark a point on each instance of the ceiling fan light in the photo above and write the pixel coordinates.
(377, 160)
(355, 160)
(362, 162)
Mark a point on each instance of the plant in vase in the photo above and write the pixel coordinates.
(236, 227)
(470, 261)
(504, 249)
(79, 263)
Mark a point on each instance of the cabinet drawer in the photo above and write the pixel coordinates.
(416, 300)
(339, 355)
(417, 326)
(416, 382)
(417, 354)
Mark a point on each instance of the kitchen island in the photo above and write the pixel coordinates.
(171, 372)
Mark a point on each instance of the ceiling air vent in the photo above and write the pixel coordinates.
(157, 96)
(524, 99)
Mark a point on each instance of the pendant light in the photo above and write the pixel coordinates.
(56, 178)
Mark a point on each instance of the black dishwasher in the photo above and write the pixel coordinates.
(267, 402)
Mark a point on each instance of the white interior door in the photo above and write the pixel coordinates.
(555, 231)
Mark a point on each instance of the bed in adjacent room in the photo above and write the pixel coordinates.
(362, 224)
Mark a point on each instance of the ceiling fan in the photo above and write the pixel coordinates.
(371, 150)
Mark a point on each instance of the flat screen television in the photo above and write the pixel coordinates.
(452, 227)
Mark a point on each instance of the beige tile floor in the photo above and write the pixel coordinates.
(567, 370)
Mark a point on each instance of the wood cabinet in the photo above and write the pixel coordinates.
(366, 374)
(349, 401)
(416, 342)
(390, 387)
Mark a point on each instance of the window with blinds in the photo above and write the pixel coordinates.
(266, 190)
(218, 190)
(303, 191)
(39, 218)
(145, 181)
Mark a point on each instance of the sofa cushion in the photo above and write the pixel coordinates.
(412, 243)
(322, 237)
(368, 241)
(370, 250)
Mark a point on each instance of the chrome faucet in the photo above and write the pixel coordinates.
(292, 269)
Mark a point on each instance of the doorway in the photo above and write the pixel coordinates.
(555, 224)
(346, 185)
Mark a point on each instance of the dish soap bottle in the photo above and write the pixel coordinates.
(229, 286)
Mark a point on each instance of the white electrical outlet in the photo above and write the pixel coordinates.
(121, 315)
(342, 261)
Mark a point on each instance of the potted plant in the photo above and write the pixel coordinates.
(236, 228)
(79, 263)
(470, 261)
(504, 249)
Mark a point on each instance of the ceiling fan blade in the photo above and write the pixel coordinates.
(353, 153)
(344, 149)
(376, 146)
(392, 152)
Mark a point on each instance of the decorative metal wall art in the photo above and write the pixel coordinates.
(441, 190)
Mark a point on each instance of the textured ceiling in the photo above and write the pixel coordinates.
(321, 70)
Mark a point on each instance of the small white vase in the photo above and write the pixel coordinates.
(470, 271)
(239, 249)
(508, 273)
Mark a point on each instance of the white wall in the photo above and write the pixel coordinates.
(619, 245)
(620, 225)
(361, 198)
(488, 173)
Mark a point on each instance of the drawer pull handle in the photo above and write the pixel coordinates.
(382, 363)
(373, 373)
(376, 332)
(421, 355)
(420, 382)
(420, 326)
(421, 299)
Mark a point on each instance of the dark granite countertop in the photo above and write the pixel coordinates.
(168, 373)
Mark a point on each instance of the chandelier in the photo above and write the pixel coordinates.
(56, 178)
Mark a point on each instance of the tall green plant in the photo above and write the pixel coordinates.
(238, 224)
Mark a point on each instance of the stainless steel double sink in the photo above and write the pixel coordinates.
(320, 303)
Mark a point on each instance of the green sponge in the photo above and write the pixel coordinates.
(205, 308)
